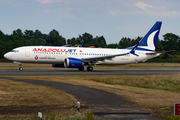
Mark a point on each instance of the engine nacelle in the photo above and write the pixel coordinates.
(73, 63)
(57, 65)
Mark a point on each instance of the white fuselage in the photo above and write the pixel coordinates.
(57, 55)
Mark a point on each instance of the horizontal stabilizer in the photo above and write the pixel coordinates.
(159, 52)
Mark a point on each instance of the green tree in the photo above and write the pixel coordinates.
(2, 36)
(55, 39)
(86, 39)
(39, 37)
(101, 41)
(171, 42)
(5, 47)
(125, 42)
(112, 45)
(135, 41)
(73, 41)
(159, 46)
(17, 34)
(29, 34)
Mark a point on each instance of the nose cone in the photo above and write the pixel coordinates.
(7, 56)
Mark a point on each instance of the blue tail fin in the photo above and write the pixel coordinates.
(148, 42)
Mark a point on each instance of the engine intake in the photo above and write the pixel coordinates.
(73, 63)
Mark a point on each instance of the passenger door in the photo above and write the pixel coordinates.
(27, 53)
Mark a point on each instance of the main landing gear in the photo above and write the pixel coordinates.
(89, 68)
(81, 69)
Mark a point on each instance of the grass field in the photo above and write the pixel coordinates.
(22, 101)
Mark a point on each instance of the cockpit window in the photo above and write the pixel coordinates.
(14, 50)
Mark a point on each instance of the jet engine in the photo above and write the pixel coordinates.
(73, 63)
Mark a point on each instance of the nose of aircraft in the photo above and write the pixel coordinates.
(7, 55)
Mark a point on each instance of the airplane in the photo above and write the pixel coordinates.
(77, 57)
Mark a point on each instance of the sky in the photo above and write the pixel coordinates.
(112, 19)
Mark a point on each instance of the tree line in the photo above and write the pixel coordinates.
(32, 38)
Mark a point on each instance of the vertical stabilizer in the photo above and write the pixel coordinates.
(148, 42)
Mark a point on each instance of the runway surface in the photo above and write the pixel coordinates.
(99, 99)
(95, 72)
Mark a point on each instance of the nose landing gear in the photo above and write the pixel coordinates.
(20, 68)
(20, 64)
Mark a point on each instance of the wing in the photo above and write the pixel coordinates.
(108, 57)
(102, 58)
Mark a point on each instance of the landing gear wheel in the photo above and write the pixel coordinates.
(20, 68)
(81, 69)
(89, 68)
